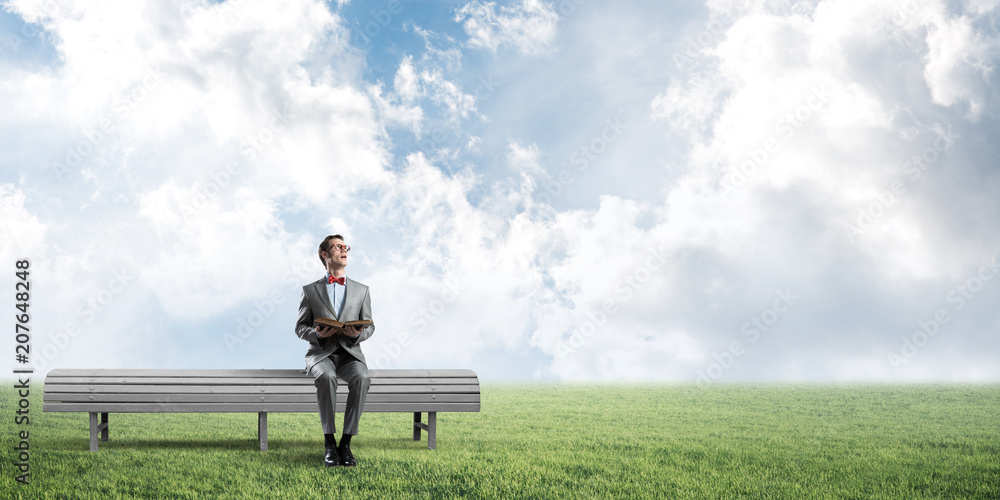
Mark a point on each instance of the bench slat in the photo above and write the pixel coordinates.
(100, 392)
(107, 372)
(52, 392)
(251, 398)
(303, 379)
(247, 407)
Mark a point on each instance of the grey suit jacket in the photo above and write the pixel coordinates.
(315, 303)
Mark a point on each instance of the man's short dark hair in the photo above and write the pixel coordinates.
(325, 245)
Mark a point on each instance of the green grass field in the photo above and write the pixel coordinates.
(550, 441)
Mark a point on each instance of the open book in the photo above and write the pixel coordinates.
(340, 324)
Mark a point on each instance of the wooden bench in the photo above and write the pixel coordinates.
(102, 391)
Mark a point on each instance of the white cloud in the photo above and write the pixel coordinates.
(447, 94)
(960, 63)
(406, 82)
(794, 83)
(393, 112)
(186, 131)
(439, 49)
(410, 85)
(251, 144)
(215, 243)
(530, 26)
(21, 233)
(524, 158)
(689, 107)
(790, 92)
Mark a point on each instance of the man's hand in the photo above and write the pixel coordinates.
(352, 331)
(325, 331)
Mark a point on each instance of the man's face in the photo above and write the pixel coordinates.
(337, 251)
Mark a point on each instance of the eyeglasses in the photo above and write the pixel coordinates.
(339, 247)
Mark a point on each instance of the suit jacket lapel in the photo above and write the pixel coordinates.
(348, 310)
(325, 297)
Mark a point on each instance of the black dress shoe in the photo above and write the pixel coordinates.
(332, 458)
(346, 457)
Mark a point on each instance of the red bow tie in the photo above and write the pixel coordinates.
(331, 280)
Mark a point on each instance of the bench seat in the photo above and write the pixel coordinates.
(104, 391)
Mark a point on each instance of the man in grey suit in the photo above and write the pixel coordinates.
(334, 352)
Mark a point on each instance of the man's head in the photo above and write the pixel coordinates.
(333, 249)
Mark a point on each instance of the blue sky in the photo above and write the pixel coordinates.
(536, 190)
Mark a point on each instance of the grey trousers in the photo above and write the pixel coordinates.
(355, 373)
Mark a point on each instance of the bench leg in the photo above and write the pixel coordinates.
(430, 427)
(104, 424)
(98, 430)
(432, 430)
(262, 430)
(93, 431)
